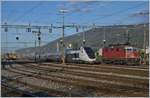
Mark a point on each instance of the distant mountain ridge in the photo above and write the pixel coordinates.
(94, 38)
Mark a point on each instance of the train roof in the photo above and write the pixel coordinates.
(120, 45)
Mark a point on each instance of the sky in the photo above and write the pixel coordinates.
(47, 12)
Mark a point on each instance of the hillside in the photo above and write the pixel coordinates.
(94, 38)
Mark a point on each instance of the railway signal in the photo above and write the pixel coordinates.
(6, 28)
(17, 38)
(104, 42)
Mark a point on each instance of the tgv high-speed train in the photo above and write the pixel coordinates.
(81, 55)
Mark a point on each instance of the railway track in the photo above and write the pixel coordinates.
(139, 67)
(78, 79)
(106, 65)
(48, 91)
(141, 73)
(116, 80)
(84, 73)
(79, 82)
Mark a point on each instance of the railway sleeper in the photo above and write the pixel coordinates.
(83, 83)
(48, 91)
(73, 72)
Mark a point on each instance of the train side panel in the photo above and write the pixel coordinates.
(120, 55)
(113, 53)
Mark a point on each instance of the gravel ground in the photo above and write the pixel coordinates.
(82, 91)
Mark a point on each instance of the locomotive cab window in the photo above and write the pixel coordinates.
(89, 52)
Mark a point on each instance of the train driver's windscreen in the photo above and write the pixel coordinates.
(89, 52)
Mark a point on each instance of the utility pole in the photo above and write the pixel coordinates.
(39, 39)
(35, 51)
(37, 33)
(62, 41)
(128, 37)
(6, 30)
(34, 32)
(144, 45)
(83, 37)
(104, 40)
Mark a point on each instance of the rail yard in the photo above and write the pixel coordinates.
(54, 79)
(75, 48)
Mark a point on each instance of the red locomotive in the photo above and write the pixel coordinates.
(121, 54)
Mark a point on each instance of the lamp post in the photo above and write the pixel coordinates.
(34, 32)
(37, 33)
(62, 40)
(83, 37)
(104, 41)
(144, 45)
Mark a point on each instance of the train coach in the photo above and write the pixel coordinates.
(121, 54)
(81, 55)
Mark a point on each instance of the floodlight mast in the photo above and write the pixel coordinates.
(62, 11)
(144, 45)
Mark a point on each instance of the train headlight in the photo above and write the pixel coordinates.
(61, 42)
(83, 41)
(104, 40)
(39, 38)
(70, 45)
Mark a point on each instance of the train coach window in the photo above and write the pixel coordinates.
(89, 52)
